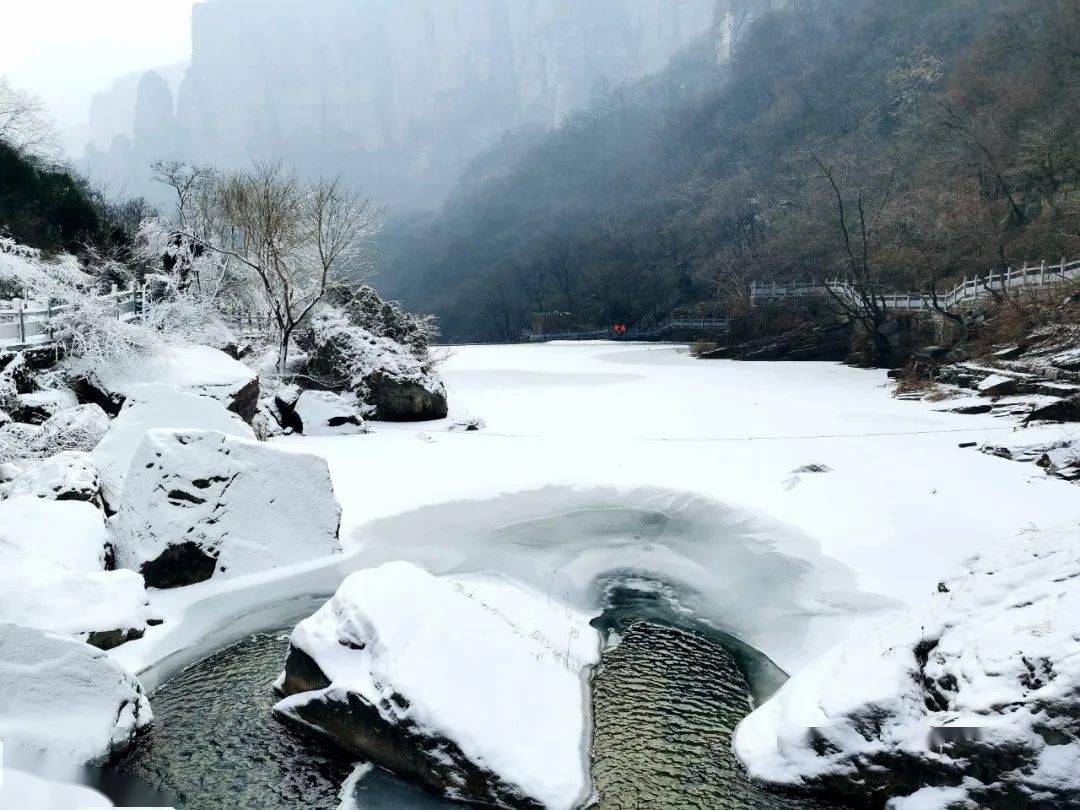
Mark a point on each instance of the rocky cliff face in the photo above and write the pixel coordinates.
(400, 94)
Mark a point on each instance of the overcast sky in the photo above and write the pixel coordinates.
(66, 50)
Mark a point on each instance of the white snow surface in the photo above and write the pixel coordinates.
(254, 506)
(66, 698)
(195, 369)
(153, 407)
(1003, 658)
(495, 668)
(21, 790)
(52, 573)
(603, 457)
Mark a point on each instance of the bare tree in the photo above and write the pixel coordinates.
(192, 185)
(24, 126)
(300, 241)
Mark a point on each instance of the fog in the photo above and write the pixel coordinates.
(399, 96)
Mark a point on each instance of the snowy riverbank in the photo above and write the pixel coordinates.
(790, 504)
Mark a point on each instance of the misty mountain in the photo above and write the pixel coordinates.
(398, 95)
(900, 142)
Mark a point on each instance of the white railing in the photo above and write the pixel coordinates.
(29, 324)
(1031, 276)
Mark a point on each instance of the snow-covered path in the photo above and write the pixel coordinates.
(901, 506)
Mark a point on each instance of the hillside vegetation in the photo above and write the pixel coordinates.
(892, 144)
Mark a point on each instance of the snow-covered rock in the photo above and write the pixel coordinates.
(195, 369)
(63, 477)
(37, 407)
(997, 385)
(200, 503)
(978, 690)
(22, 789)
(53, 577)
(19, 442)
(66, 699)
(323, 413)
(156, 407)
(476, 689)
(385, 375)
(79, 429)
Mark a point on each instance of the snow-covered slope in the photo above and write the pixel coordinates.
(978, 688)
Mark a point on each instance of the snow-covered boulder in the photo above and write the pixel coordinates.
(978, 690)
(195, 369)
(385, 375)
(66, 699)
(53, 577)
(79, 428)
(200, 503)
(323, 413)
(63, 477)
(35, 408)
(156, 407)
(475, 689)
(19, 442)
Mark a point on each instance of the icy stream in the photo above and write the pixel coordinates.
(681, 563)
(665, 700)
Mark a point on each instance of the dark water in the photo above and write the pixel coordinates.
(666, 700)
(665, 705)
(216, 744)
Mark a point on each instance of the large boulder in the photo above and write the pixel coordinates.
(156, 407)
(74, 429)
(323, 413)
(198, 504)
(390, 380)
(63, 477)
(975, 693)
(194, 369)
(474, 689)
(52, 573)
(66, 699)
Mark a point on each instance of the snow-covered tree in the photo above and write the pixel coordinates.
(293, 243)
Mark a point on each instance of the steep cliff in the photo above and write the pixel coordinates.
(399, 94)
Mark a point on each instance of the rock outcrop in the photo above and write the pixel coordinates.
(976, 692)
(200, 503)
(66, 699)
(472, 689)
(384, 375)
